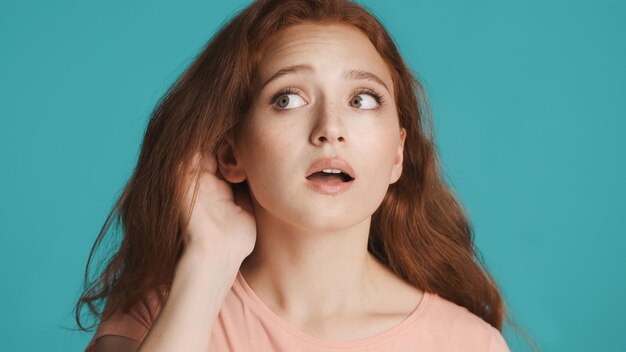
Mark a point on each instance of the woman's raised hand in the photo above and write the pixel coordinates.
(222, 221)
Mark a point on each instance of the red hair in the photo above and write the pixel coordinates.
(420, 231)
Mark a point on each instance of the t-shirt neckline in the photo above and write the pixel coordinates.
(254, 302)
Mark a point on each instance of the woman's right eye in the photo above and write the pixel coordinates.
(284, 98)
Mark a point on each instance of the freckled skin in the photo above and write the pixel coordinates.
(278, 146)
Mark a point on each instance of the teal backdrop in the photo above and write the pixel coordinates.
(528, 104)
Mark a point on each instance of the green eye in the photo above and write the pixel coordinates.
(282, 97)
(283, 100)
(358, 101)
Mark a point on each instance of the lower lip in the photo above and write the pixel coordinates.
(330, 188)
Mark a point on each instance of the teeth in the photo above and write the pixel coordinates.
(331, 171)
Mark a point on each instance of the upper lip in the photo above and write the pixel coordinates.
(330, 163)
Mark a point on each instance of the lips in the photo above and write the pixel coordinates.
(331, 183)
(331, 163)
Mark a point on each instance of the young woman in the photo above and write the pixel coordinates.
(287, 198)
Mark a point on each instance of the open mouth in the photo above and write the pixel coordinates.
(331, 177)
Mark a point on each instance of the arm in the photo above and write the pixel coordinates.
(214, 251)
(185, 323)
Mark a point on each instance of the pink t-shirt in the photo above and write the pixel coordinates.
(246, 324)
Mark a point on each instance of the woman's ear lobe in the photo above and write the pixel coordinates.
(227, 163)
(397, 167)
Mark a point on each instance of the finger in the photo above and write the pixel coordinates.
(241, 196)
(217, 172)
(210, 163)
(207, 163)
(219, 175)
(195, 161)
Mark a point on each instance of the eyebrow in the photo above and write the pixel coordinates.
(351, 74)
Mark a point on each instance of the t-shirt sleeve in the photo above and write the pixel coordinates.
(497, 342)
(135, 324)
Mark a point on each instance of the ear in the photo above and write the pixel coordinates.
(396, 170)
(227, 163)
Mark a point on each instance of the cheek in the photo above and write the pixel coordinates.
(378, 172)
(263, 154)
(273, 164)
(381, 149)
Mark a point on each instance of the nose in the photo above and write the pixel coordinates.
(328, 127)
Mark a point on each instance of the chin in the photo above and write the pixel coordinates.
(329, 218)
(318, 212)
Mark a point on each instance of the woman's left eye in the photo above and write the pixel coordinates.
(374, 101)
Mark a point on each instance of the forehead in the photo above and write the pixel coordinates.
(329, 48)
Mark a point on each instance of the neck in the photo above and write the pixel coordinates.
(305, 273)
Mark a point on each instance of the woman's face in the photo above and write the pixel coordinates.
(326, 114)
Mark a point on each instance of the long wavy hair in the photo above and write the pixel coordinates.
(420, 231)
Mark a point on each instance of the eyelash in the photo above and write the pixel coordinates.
(291, 90)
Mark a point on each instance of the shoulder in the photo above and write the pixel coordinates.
(449, 321)
(450, 313)
(133, 324)
(146, 309)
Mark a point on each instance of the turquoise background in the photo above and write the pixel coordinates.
(528, 103)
